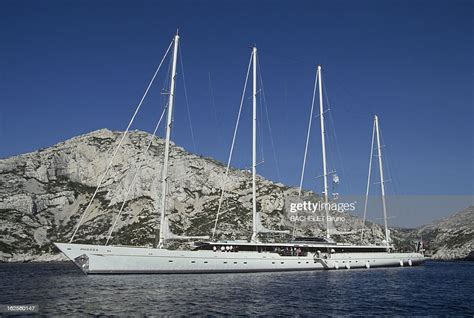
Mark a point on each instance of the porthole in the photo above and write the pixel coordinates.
(170, 261)
(193, 262)
(205, 262)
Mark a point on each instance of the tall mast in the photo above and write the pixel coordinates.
(254, 146)
(382, 186)
(160, 238)
(368, 182)
(323, 145)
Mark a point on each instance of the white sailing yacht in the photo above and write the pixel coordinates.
(226, 256)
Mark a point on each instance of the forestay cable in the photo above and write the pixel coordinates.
(187, 103)
(300, 189)
(214, 111)
(232, 147)
(308, 135)
(333, 130)
(135, 175)
(368, 183)
(120, 143)
(268, 123)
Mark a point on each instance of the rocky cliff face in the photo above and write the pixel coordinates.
(44, 193)
(452, 237)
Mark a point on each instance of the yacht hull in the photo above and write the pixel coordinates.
(99, 259)
(370, 260)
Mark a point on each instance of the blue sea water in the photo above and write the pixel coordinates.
(61, 289)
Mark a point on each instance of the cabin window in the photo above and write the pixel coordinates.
(193, 262)
(170, 261)
(205, 262)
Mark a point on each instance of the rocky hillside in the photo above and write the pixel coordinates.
(43, 194)
(450, 238)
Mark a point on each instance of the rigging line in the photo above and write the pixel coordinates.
(166, 84)
(214, 110)
(120, 143)
(225, 211)
(357, 101)
(338, 149)
(187, 101)
(331, 164)
(329, 143)
(260, 126)
(308, 136)
(165, 90)
(368, 183)
(292, 59)
(135, 175)
(268, 123)
(307, 143)
(232, 146)
(391, 169)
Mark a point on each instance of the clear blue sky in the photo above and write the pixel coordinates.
(71, 67)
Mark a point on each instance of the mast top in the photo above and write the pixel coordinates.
(319, 67)
(177, 31)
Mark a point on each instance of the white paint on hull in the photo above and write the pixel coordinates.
(369, 260)
(99, 259)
